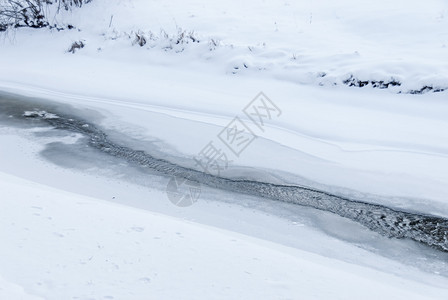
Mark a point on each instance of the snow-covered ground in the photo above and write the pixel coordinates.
(76, 234)
(65, 238)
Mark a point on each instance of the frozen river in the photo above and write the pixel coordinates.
(390, 222)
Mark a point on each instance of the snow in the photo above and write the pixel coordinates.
(77, 232)
(296, 40)
(75, 228)
(133, 253)
(376, 142)
(14, 292)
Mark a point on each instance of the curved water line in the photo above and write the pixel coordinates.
(427, 229)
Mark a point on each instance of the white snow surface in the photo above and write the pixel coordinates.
(62, 234)
(57, 244)
(85, 248)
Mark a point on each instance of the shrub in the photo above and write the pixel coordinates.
(31, 13)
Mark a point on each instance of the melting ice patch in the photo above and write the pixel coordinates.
(39, 114)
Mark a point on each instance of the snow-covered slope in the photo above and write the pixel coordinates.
(370, 141)
(373, 141)
(58, 245)
(317, 42)
(202, 62)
